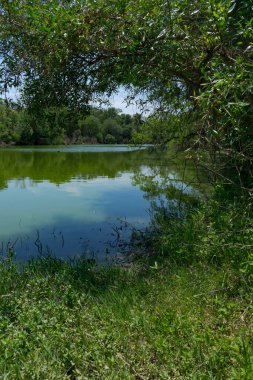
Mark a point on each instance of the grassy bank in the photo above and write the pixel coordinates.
(181, 315)
(74, 322)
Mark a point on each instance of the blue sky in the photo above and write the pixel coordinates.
(117, 101)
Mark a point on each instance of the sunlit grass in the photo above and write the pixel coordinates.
(75, 321)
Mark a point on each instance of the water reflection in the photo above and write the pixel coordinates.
(73, 202)
(61, 166)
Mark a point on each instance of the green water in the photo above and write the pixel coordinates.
(77, 200)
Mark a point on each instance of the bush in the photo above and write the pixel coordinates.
(109, 139)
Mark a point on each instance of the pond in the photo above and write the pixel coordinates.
(77, 201)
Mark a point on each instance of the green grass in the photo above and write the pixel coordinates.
(76, 321)
(185, 312)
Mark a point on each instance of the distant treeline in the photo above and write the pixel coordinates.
(59, 125)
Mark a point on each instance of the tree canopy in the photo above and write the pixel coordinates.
(58, 125)
(191, 57)
(68, 52)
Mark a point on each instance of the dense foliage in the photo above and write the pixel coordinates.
(192, 58)
(58, 125)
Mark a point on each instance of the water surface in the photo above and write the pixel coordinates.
(76, 200)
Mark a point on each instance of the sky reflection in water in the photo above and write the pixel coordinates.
(72, 201)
